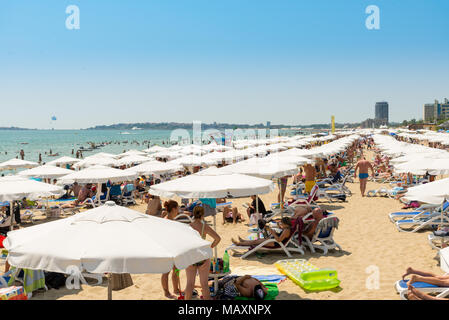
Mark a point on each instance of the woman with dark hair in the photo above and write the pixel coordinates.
(201, 267)
(171, 209)
(171, 212)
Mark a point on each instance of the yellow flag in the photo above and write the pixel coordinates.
(333, 123)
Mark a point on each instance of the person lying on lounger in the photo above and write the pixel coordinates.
(85, 193)
(231, 287)
(285, 225)
(427, 277)
(415, 294)
(318, 214)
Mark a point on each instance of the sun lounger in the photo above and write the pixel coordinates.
(402, 288)
(436, 242)
(127, 197)
(422, 222)
(323, 236)
(184, 218)
(423, 211)
(288, 248)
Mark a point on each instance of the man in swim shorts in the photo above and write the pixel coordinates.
(310, 173)
(363, 165)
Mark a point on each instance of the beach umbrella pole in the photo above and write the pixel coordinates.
(11, 212)
(110, 286)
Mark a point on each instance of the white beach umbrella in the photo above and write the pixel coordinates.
(154, 149)
(433, 192)
(16, 188)
(298, 160)
(213, 183)
(131, 153)
(89, 241)
(155, 167)
(189, 161)
(102, 155)
(63, 161)
(98, 174)
(17, 164)
(263, 168)
(422, 165)
(170, 155)
(94, 161)
(133, 159)
(45, 172)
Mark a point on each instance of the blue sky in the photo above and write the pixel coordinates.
(241, 61)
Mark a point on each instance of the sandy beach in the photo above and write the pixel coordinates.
(369, 241)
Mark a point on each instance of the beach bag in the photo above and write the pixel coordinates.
(254, 218)
(54, 280)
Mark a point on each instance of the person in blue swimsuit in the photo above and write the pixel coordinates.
(363, 165)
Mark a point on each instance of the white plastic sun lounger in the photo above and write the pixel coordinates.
(289, 247)
(436, 241)
(401, 288)
(420, 223)
(323, 236)
(421, 212)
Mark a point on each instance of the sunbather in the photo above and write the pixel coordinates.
(427, 277)
(317, 214)
(85, 193)
(231, 287)
(232, 215)
(285, 225)
(415, 294)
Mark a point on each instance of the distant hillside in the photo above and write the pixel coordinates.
(13, 128)
(176, 125)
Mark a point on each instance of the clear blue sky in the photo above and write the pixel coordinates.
(244, 61)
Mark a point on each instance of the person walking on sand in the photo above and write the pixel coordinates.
(363, 165)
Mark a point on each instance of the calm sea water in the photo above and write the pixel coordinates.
(62, 142)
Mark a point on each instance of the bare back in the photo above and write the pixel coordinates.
(310, 173)
(363, 166)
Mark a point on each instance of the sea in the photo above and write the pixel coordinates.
(52, 144)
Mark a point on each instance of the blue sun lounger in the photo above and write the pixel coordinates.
(401, 288)
(426, 211)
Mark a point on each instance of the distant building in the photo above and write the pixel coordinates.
(436, 111)
(381, 112)
(268, 124)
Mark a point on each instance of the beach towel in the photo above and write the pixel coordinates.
(33, 280)
(274, 278)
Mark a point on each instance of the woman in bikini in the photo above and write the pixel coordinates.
(172, 209)
(285, 225)
(201, 267)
